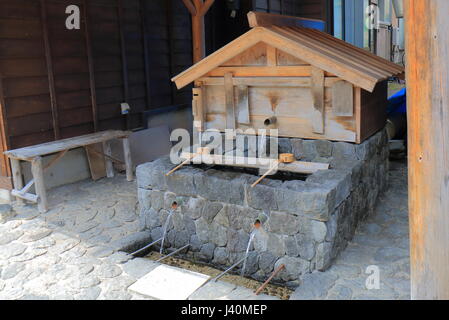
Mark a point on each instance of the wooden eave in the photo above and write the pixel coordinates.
(355, 65)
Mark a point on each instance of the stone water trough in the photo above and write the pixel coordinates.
(311, 218)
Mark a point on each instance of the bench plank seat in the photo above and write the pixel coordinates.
(47, 148)
(34, 154)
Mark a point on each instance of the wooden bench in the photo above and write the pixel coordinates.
(35, 153)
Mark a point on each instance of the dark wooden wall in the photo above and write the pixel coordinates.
(221, 28)
(58, 83)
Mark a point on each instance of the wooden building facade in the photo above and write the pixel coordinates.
(301, 81)
(58, 83)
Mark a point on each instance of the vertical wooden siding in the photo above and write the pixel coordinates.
(313, 9)
(92, 68)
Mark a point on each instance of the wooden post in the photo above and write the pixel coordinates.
(38, 176)
(128, 160)
(428, 124)
(17, 177)
(107, 151)
(198, 9)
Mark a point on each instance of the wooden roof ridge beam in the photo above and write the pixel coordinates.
(218, 57)
(264, 19)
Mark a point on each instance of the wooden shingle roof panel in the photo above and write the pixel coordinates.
(353, 64)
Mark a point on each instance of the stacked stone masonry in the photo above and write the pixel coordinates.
(310, 222)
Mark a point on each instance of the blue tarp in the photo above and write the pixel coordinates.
(397, 103)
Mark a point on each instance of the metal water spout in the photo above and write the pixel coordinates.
(257, 227)
(174, 206)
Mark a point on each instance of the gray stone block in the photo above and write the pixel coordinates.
(294, 268)
(195, 243)
(291, 246)
(323, 256)
(210, 210)
(267, 261)
(189, 225)
(181, 239)
(144, 197)
(314, 200)
(252, 263)
(318, 230)
(193, 208)
(202, 230)
(283, 223)
(285, 145)
(276, 245)
(261, 197)
(220, 256)
(344, 150)
(237, 241)
(314, 286)
(339, 180)
(182, 183)
(214, 185)
(306, 246)
(207, 252)
(218, 234)
(157, 200)
(324, 148)
(151, 175)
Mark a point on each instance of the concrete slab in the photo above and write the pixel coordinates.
(169, 283)
(213, 290)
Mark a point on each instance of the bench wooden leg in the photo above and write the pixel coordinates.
(128, 160)
(17, 177)
(107, 151)
(38, 175)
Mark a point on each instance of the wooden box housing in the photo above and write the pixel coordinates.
(303, 82)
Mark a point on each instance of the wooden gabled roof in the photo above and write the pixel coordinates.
(348, 62)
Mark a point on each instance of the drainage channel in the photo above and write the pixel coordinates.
(230, 277)
(227, 275)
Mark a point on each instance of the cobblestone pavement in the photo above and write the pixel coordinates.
(382, 241)
(71, 252)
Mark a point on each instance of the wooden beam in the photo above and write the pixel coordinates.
(17, 176)
(303, 82)
(190, 6)
(51, 77)
(198, 10)
(245, 162)
(4, 135)
(230, 101)
(270, 71)
(343, 99)
(265, 19)
(198, 35)
(218, 57)
(318, 82)
(428, 141)
(39, 184)
(90, 62)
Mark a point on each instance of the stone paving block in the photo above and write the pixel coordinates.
(138, 267)
(169, 283)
